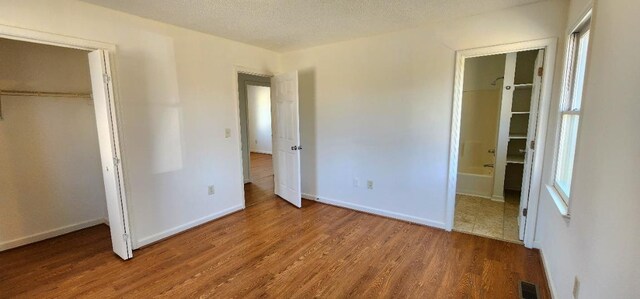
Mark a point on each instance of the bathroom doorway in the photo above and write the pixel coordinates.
(499, 96)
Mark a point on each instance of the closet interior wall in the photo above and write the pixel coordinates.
(51, 179)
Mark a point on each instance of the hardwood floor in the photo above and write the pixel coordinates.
(261, 186)
(272, 249)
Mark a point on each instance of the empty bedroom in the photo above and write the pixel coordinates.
(319, 149)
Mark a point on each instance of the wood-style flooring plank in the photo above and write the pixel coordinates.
(271, 249)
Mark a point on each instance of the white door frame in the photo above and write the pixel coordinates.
(52, 39)
(549, 45)
(237, 69)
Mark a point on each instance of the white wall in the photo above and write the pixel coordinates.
(599, 243)
(259, 120)
(480, 111)
(379, 108)
(481, 72)
(50, 178)
(176, 95)
(478, 128)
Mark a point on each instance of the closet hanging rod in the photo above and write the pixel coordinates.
(29, 93)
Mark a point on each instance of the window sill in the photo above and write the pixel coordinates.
(563, 208)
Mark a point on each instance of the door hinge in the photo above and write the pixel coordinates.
(106, 78)
(540, 71)
(524, 212)
(116, 161)
(125, 237)
(533, 144)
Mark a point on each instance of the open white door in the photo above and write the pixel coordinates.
(110, 152)
(286, 137)
(531, 135)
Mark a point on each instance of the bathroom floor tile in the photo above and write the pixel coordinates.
(484, 217)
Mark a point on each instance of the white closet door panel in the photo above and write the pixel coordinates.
(111, 168)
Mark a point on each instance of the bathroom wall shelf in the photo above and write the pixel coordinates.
(513, 159)
(517, 136)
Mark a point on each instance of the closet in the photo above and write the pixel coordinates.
(518, 116)
(61, 169)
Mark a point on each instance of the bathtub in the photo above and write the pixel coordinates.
(475, 181)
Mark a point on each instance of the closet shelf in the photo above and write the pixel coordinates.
(520, 112)
(30, 93)
(517, 136)
(524, 85)
(515, 159)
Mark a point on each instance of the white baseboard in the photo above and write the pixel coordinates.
(474, 195)
(379, 212)
(552, 289)
(49, 234)
(180, 228)
(261, 152)
(309, 196)
(498, 199)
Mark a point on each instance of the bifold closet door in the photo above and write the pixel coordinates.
(286, 137)
(109, 152)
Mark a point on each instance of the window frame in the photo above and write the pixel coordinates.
(568, 97)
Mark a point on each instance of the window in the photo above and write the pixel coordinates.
(570, 108)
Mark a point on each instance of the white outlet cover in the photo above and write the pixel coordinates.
(211, 190)
(369, 184)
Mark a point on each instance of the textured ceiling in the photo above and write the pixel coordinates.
(283, 25)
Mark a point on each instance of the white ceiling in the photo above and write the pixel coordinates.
(283, 25)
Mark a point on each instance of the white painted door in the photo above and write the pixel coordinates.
(286, 137)
(109, 152)
(531, 135)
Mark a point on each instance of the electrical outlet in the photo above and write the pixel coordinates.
(212, 190)
(576, 287)
(227, 133)
(356, 182)
(256, 141)
(369, 184)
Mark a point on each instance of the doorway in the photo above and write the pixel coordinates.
(270, 156)
(500, 97)
(59, 95)
(256, 136)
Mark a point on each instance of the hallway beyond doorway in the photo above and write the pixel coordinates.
(261, 187)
